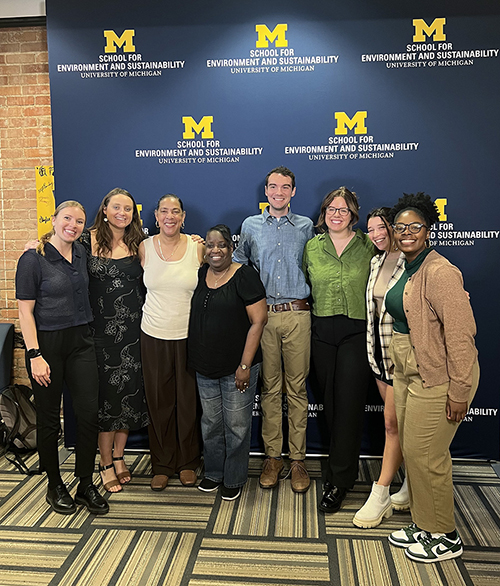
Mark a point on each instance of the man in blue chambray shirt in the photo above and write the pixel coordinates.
(273, 242)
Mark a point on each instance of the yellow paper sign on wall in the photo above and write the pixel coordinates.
(45, 202)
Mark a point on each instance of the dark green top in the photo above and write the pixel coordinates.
(394, 297)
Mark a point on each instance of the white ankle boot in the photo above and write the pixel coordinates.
(377, 507)
(401, 499)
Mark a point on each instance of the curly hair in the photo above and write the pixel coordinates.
(134, 233)
(351, 200)
(420, 203)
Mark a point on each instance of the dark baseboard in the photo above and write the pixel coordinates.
(23, 21)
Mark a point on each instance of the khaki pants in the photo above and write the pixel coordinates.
(425, 435)
(286, 336)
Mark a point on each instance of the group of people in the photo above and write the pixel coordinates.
(186, 362)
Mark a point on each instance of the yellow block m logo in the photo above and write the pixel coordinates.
(113, 40)
(441, 206)
(357, 122)
(422, 29)
(191, 126)
(277, 34)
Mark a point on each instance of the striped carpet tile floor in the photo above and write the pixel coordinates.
(184, 537)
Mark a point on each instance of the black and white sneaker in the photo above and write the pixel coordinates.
(406, 536)
(435, 547)
(230, 494)
(207, 485)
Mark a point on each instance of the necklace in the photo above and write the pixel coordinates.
(219, 278)
(161, 251)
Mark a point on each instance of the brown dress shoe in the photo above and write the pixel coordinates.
(300, 476)
(188, 477)
(270, 472)
(159, 482)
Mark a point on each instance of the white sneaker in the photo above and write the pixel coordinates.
(435, 547)
(401, 499)
(377, 506)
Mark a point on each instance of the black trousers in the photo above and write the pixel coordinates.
(340, 363)
(71, 356)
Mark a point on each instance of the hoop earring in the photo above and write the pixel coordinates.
(156, 224)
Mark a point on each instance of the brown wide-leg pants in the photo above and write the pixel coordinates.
(174, 431)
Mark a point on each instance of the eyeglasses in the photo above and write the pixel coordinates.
(342, 211)
(414, 227)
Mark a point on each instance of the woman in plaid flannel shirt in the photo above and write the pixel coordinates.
(386, 268)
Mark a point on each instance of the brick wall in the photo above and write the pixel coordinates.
(25, 142)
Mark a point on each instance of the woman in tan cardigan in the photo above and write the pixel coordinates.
(436, 374)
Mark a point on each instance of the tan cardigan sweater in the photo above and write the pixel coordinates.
(442, 326)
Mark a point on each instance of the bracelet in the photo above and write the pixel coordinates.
(34, 353)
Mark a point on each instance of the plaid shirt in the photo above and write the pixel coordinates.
(385, 320)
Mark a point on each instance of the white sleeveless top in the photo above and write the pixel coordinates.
(170, 286)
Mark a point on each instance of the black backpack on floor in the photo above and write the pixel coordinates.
(17, 425)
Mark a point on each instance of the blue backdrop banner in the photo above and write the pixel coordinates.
(203, 99)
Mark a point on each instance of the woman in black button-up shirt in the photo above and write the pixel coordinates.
(54, 313)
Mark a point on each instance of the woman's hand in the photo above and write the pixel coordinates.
(197, 239)
(455, 411)
(242, 379)
(31, 244)
(40, 371)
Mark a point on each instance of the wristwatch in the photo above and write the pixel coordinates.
(243, 366)
(34, 353)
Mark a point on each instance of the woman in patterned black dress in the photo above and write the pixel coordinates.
(116, 296)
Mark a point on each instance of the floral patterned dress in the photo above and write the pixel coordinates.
(116, 297)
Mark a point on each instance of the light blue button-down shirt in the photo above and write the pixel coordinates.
(274, 246)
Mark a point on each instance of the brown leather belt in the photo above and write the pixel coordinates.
(297, 305)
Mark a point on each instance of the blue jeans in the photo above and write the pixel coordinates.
(226, 424)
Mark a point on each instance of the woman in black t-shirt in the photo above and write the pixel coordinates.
(54, 313)
(228, 315)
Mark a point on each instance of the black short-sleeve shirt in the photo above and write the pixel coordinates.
(219, 323)
(59, 288)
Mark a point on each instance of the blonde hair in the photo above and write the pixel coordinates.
(46, 237)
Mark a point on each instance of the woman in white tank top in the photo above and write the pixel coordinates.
(171, 261)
